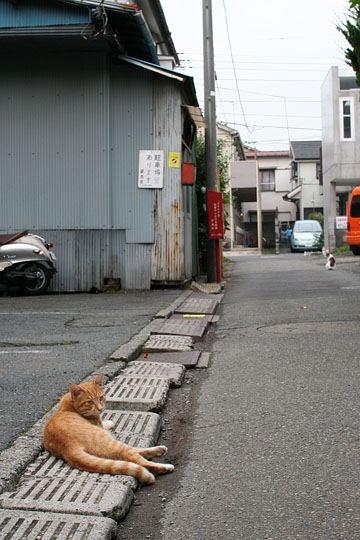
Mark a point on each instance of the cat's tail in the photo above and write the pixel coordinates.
(87, 462)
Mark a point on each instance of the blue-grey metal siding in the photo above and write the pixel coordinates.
(34, 13)
(54, 141)
(137, 266)
(168, 250)
(86, 258)
(130, 131)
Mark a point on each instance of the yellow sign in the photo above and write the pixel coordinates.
(193, 316)
(174, 159)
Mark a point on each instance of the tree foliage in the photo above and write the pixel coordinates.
(351, 31)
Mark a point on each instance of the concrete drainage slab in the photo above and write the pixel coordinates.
(23, 525)
(173, 373)
(188, 359)
(198, 305)
(76, 496)
(142, 424)
(194, 328)
(137, 393)
(186, 316)
(166, 343)
(48, 466)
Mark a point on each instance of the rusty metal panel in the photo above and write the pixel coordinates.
(168, 249)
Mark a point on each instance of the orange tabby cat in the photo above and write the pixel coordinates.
(76, 434)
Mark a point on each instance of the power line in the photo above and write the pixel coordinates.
(232, 60)
(276, 127)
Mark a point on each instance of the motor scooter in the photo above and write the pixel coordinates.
(26, 261)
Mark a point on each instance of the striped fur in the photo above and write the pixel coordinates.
(76, 435)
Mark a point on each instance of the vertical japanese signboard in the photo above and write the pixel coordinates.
(215, 215)
(151, 169)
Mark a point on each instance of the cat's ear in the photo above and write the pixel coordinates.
(99, 379)
(75, 390)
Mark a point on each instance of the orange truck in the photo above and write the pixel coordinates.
(353, 221)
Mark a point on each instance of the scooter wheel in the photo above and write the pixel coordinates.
(41, 280)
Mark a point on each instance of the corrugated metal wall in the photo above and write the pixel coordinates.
(54, 141)
(168, 250)
(70, 134)
(40, 13)
(130, 131)
(137, 266)
(86, 258)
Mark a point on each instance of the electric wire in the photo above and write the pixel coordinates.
(232, 60)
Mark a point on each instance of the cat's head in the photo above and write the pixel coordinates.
(88, 399)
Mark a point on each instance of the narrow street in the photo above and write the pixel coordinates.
(266, 443)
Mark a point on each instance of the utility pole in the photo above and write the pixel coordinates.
(210, 130)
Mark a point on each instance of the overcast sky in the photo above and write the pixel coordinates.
(281, 52)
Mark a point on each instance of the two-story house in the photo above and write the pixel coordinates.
(306, 178)
(340, 110)
(268, 174)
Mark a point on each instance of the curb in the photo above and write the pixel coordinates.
(28, 446)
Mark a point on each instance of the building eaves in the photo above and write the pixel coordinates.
(129, 27)
(305, 150)
(188, 82)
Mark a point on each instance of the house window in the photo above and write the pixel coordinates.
(267, 179)
(347, 119)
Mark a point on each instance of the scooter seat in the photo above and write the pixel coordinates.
(8, 238)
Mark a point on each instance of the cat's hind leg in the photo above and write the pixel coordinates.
(79, 459)
(153, 451)
(159, 468)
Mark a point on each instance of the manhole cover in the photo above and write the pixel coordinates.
(172, 373)
(137, 393)
(168, 343)
(20, 524)
(183, 327)
(48, 466)
(133, 423)
(198, 305)
(188, 359)
(86, 497)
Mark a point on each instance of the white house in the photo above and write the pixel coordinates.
(340, 113)
(306, 178)
(271, 172)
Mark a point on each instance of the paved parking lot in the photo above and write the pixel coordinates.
(49, 341)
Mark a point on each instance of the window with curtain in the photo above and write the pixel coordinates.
(267, 179)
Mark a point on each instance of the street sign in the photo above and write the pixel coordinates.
(151, 166)
(215, 215)
(341, 222)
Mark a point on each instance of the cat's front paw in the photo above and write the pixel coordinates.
(107, 424)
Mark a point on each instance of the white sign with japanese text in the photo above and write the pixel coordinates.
(151, 169)
(341, 222)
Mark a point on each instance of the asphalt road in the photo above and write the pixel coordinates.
(49, 341)
(266, 443)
